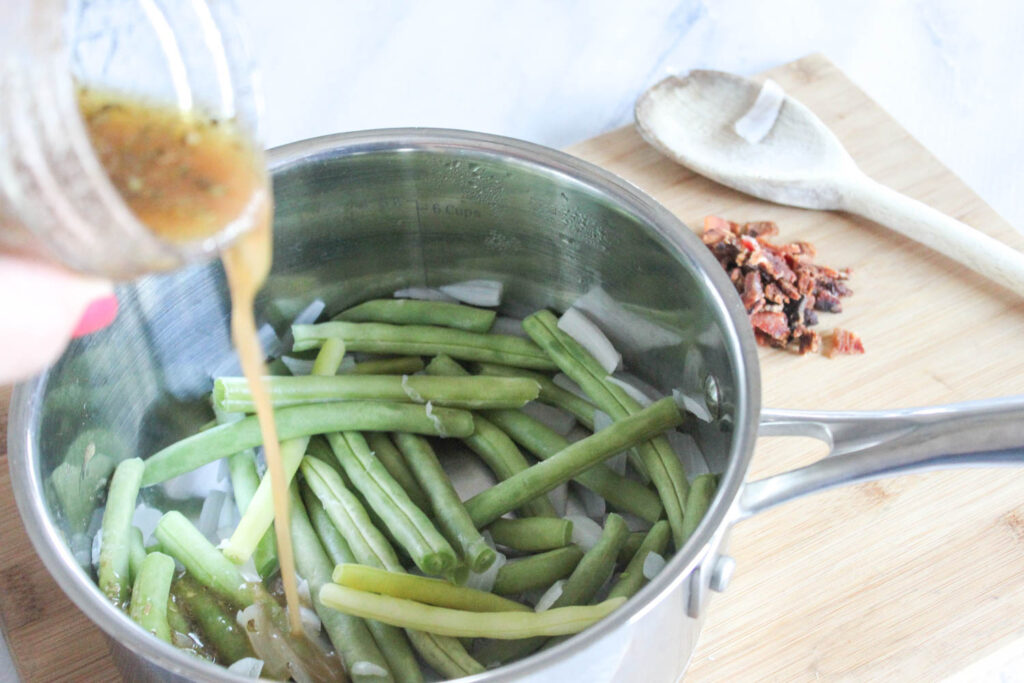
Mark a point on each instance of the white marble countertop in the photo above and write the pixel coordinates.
(558, 72)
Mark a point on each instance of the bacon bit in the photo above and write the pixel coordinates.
(845, 342)
(779, 285)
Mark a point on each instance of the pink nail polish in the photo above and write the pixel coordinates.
(98, 315)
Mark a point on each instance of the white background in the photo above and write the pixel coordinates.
(557, 72)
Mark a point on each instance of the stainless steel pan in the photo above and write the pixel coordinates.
(362, 214)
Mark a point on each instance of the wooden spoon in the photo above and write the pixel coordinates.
(801, 163)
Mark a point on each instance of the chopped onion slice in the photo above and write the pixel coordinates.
(97, 541)
(209, 516)
(298, 366)
(635, 523)
(594, 504)
(583, 330)
(556, 419)
(585, 531)
(198, 483)
(476, 292)
(559, 497)
(311, 313)
(687, 450)
(310, 621)
(566, 383)
(424, 294)
(602, 420)
(760, 118)
(634, 392)
(550, 595)
(629, 331)
(250, 667)
(653, 564)
(510, 326)
(697, 406)
(368, 669)
(574, 506)
(303, 587)
(484, 581)
(146, 518)
(617, 463)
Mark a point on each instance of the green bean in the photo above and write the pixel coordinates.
(152, 587)
(399, 365)
(629, 548)
(232, 393)
(200, 449)
(660, 462)
(550, 393)
(579, 589)
(493, 446)
(216, 623)
(487, 506)
(461, 623)
(414, 312)
(697, 503)
(531, 534)
(445, 655)
(182, 541)
(536, 571)
(350, 636)
(425, 340)
(633, 579)
(176, 619)
(407, 523)
(393, 462)
(422, 589)
(136, 554)
(115, 548)
(448, 509)
(620, 492)
(391, 640)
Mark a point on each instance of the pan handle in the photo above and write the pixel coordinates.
(875, 444)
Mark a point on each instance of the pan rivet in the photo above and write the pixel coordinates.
(722, 572)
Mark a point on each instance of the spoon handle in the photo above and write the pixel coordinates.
(995, 260)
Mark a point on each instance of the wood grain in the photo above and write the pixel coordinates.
(906, 579)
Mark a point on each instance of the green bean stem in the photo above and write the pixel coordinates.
(232, 393)
(435, 592)
(407, 523)
(152, 588)
(450, 513)
(216, 623)
(632, 578)
(115, 549)
(394, 463)
(536, 571)
(350, 636)
(487, 506)
(414, 312)
(697, 503)
(550, 393)
(661, 463)
(461, 623)
(425, 340)
(320, 418)
(531, 534)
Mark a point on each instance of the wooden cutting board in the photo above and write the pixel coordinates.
(916, 578)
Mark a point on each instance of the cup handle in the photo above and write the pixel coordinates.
(867, 445)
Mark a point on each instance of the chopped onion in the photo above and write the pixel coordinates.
(250, 667)
(303, 587)
(581, 328)
(585, 531)
(594, 504)
(484, 581)
(602, 420)
(564, 381)
(146, 518)
(577, 433)
(511, 326)
(692, 404)
(311, 313)
(632, 390)
(574, 506)
(298, 366)
(550, 595)
(248, 571)
(97, 540)
(687, 450)
(424, 294)
(635, 523)
(198, 483)
(269, 341)
(209, 516)
(629, 331)
(559, 497)
(310, 621)
(556, 419)
(617, 463)
(476, 292)
(760, 118)
(653, 564)
(224, 471)
(368, 669)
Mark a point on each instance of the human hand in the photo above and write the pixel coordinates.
(41, 308)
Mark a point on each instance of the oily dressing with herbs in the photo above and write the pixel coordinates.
(187, 177)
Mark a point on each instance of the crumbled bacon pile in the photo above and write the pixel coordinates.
(779, 285)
